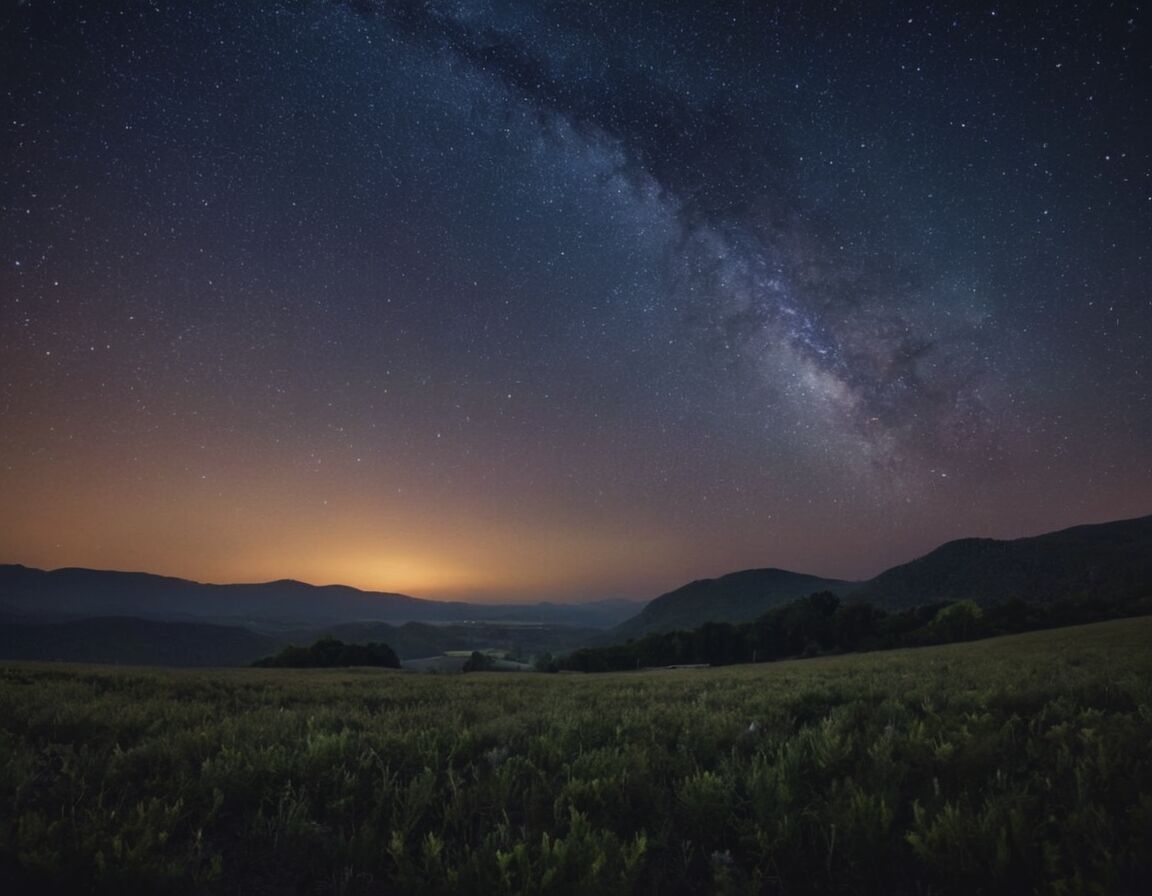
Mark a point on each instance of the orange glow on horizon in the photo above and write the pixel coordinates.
(253, 511)
(240, 526)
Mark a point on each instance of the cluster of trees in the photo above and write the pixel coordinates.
(821, 623)
(479, 662)
(329, 653)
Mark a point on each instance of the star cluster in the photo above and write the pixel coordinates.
(567, 299)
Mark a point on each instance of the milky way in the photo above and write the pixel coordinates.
(876, 373)
(567, 298)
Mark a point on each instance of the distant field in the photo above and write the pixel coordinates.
(1015, 765)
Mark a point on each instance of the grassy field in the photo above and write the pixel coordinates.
(1014, 765)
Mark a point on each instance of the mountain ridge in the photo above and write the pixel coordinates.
(1095, 560)
(82, 592)
(1106, 559)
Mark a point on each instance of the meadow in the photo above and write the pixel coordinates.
(1020, 764)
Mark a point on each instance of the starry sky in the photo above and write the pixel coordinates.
(563, 299)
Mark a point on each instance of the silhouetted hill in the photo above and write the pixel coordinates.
(89, 592)
(736, 597)
(134, 642)
(92, 592)
(1107, 560)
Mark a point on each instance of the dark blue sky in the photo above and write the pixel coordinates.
(567, 299)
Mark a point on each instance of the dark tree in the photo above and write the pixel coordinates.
(328, 653)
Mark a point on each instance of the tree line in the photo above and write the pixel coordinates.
(823, 624)
(328, 653)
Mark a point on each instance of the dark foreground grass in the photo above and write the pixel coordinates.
(1016, 765)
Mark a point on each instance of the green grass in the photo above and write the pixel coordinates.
(1013, 765)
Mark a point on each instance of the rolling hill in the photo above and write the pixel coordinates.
(736, 597)
(1108, 560)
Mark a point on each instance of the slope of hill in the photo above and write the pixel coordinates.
(1107, 560)
(736, 597)
(134, 642)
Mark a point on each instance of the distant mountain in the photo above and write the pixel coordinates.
(134, 642)
(49, 615)
(1108, 560)
(90, 592)
(736, 597)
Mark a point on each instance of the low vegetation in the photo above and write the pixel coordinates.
(1013, 765)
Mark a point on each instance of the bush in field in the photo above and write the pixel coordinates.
(961, 621)
(479, 662)
(545, 663)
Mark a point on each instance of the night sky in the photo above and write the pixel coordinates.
(562, 300)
